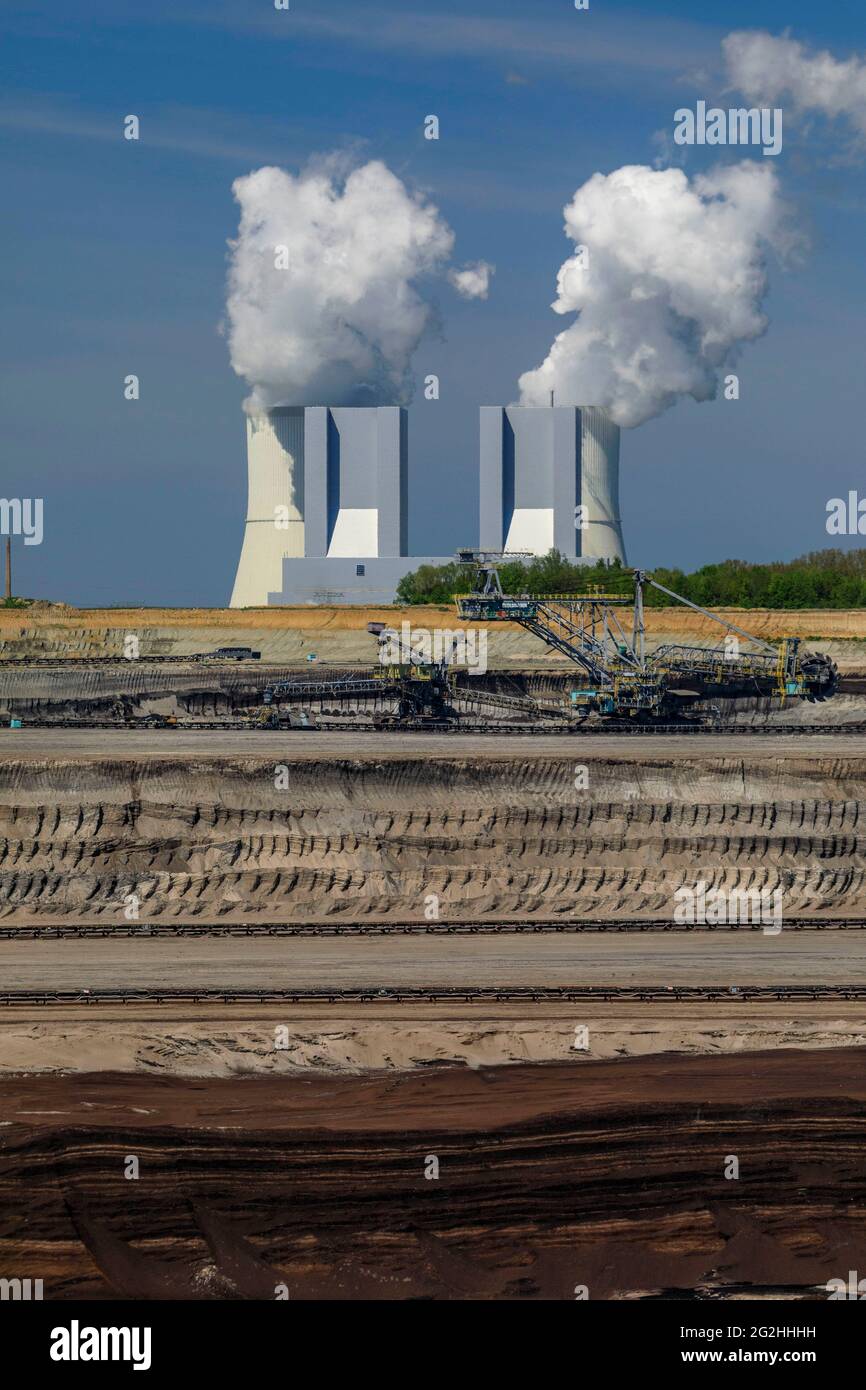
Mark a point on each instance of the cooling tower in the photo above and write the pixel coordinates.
(538, 465)
(601, 538)
(275, 503)
(327, 509)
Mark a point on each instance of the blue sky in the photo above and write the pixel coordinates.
(114, 261)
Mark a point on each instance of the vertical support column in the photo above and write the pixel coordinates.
(491, 520)
(391, 480)
(316, 432)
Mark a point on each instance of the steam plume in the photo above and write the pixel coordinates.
(668, 280)
(322, 305)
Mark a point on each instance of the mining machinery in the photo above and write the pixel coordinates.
(618, 678)
(405, 686)
(600, 630)
(422, 684)
(409, 687)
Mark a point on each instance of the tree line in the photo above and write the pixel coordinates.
(821, 579)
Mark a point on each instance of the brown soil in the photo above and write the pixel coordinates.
(612, 1178)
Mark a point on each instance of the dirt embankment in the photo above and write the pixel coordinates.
(337, 839)
(338, 636)
(527, 1182)
(763, 622)
(210, 1040)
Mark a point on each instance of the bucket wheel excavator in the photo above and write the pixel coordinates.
(602, 631)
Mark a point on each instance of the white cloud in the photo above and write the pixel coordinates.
(473, 281)
(768, 69)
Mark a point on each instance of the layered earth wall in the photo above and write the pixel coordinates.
(291, 836)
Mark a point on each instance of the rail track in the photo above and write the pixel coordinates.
(453, 994)
(192, 930)
(494, 730)
(126, 662)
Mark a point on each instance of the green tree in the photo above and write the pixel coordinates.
(821, 579)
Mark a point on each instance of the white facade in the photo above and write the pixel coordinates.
(355, 533)
(530, 528)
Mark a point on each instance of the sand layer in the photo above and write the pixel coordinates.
(212, 1041)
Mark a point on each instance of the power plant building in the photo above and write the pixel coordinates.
(549, 479)
(327, 516)
(327, 507)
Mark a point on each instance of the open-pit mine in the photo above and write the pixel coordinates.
(389, 1012)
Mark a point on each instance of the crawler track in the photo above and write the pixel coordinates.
(454, 994)
(191, 930)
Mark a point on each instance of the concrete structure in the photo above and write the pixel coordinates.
(327, 507)
(356, 464)
(370, 580)
(538, 464)
(275, 504)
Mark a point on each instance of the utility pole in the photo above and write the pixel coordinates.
(8, 567)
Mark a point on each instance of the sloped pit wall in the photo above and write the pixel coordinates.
(255, 839)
